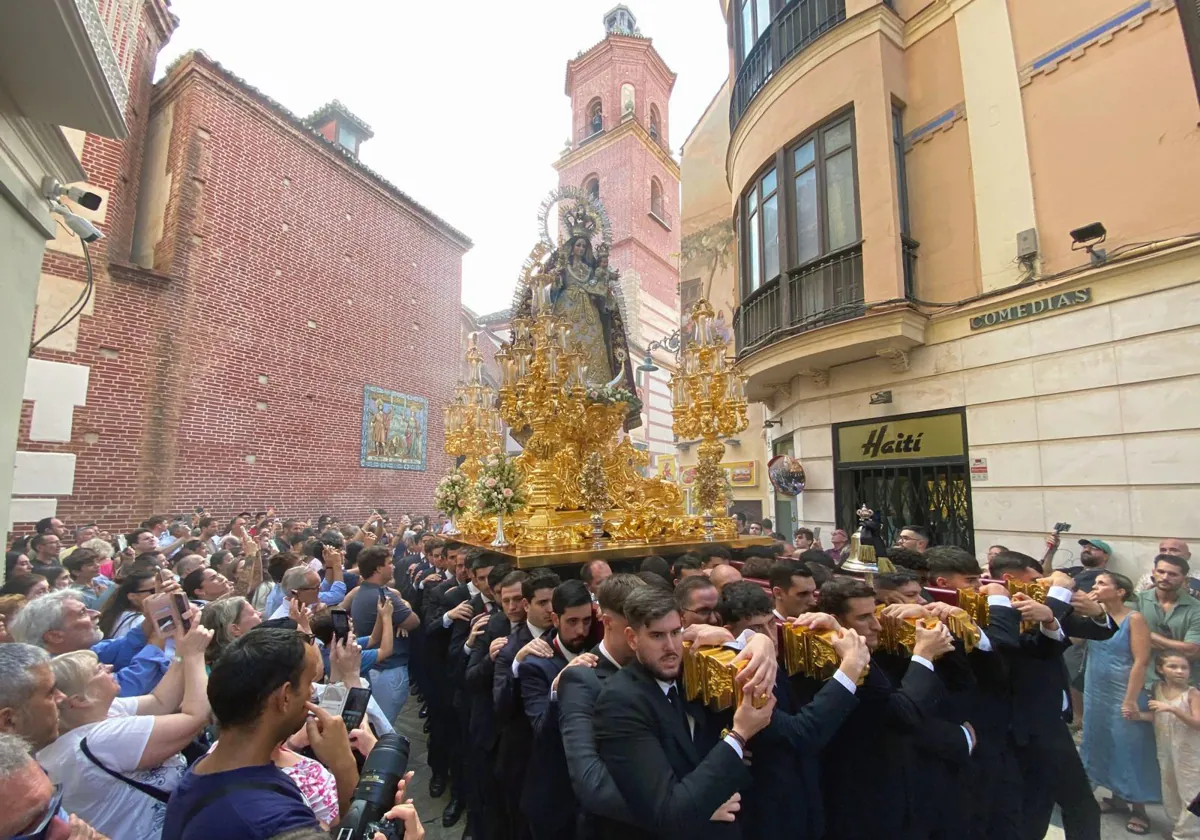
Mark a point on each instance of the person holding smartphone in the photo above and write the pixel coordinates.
(389, 677)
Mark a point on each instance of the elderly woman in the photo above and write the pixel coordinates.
(117, 758)
(104, 550)
(228, 619)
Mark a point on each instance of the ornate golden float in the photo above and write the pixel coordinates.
(570, 423)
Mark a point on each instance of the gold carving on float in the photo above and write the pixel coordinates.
(566, 419)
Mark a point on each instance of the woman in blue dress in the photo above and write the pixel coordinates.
(1118, 748)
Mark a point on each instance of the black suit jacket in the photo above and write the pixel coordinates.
(458, 658)
(547, 799)
(867, 805)
(578, 689)
(672, 781)
(514, 735)
(477, 685)
(1038, 674)
(785, 799)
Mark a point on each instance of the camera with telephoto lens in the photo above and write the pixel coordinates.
(376, 792)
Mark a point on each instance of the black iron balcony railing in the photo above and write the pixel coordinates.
(797, 25)
(910, 266)
(823, 291)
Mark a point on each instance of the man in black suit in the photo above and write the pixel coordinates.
(578, 689)
(443, 724)
(679, 777)
(1051, 771)
(785, 799)
(469, 622)
(410, 572)
(547, 800)
(867, 805)
(485, 813)
(973, 776)
(515, 736)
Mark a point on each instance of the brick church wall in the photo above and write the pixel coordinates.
(229, 369)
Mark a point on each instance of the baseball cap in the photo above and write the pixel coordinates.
(1100, 544)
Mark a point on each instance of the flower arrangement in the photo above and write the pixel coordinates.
(500, 488)
(609, 395)
(452, 494)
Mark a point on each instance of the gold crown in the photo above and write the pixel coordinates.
(580, 221)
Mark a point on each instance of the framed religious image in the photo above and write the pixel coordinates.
(394, 428)
(666, 468)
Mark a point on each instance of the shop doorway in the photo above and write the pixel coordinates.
(912, 470)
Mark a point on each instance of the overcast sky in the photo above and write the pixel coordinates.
(466, 99)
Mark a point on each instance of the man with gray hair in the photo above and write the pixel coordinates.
(300, 583)
(28, 695)
(61, 622)
(32, 805)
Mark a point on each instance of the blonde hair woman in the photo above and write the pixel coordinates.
(117, 758)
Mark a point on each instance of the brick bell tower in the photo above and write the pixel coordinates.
(620, 93)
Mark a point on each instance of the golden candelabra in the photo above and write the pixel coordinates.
(709, 403)
(472, 423)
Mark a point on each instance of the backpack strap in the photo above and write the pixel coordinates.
(153, 792)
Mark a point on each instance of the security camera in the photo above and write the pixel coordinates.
(52, 190)
(80, 226)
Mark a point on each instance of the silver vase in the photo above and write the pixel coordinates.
(453, 525)
(597, 521)
(500, 541)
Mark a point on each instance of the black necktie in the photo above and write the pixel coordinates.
(677, 703)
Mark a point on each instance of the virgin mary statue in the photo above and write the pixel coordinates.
(583, 295)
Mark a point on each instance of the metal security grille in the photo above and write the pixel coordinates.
(936, 496)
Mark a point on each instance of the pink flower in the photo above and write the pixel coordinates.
(462, 503)
(490, 483)
(508, 492)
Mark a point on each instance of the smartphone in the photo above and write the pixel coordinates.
(816, 533)
(354, 710)
(162, 613)
(333, 700)
(341, 624)
(1061, 527)
(382, 596)
(181, 605)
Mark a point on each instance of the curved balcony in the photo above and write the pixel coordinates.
(814, 317)
(797, 25)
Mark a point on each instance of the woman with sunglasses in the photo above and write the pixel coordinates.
(123, 610)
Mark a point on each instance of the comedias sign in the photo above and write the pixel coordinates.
(1034, 307)
(905, 439)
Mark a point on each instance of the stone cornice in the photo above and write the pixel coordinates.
(631, 126)
(876, 19)
(612, 46)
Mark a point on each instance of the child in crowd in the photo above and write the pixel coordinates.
(1175, 713)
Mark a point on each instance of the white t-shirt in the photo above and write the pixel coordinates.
(113, 807)
(126, 622)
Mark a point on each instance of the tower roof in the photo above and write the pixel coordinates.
(620, 21)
